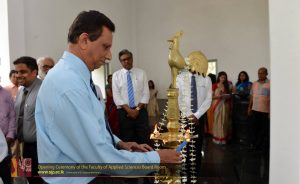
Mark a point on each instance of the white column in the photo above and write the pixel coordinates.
(4, 44)
(16, 27)
(285, 90)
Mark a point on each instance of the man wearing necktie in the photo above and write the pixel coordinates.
(195, 96)
(106, 122)
(27, 70)
(131, 94)
(71, 125)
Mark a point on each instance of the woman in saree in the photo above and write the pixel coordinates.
(221, 107)
(152, 106)
(210, 113)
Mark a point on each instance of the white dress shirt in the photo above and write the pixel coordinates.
(100, 95)
(204, 93)
(139, 83)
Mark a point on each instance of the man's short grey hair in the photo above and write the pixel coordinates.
(40, 59)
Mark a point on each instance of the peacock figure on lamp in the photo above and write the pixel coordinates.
(175, 121)
(175, 59)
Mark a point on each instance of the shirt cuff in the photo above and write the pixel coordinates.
(10, 135)
(197, 115)
(153, 157)
(144, 100)
(117, 140)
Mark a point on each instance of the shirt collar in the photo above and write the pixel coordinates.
(125, 71)
(77, 64)
(31, 85)
(265, 81)
(196, 75)
(11, 85)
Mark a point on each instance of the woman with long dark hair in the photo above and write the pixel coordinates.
(243, 85)
(221, 106)
(152, 106)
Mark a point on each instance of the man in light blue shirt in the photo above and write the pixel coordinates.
(71, 125)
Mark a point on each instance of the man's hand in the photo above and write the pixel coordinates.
(133, 113)
(249, 112)
(169, 156)
(134, 147)
(193, 119)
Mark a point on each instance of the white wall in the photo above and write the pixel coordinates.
(47, 23)
(4, 43)
(285, 90)
(233, 31)
(17, 31)
(40, 28)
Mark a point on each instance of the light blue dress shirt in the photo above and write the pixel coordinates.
(70, 123)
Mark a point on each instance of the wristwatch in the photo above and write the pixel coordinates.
(138, 108)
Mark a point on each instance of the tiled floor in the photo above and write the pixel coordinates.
(234, 163)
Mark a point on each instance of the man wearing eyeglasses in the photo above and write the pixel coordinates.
(27, 68)
(45, 64)
(131, 94)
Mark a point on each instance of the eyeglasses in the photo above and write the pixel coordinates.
(125, 59)
(47, 66)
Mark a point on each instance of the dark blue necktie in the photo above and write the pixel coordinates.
(21, 116)
(105, 118)
(130, 90)
(93, 87)
(194, 100)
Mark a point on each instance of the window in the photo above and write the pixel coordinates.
(212, 66)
